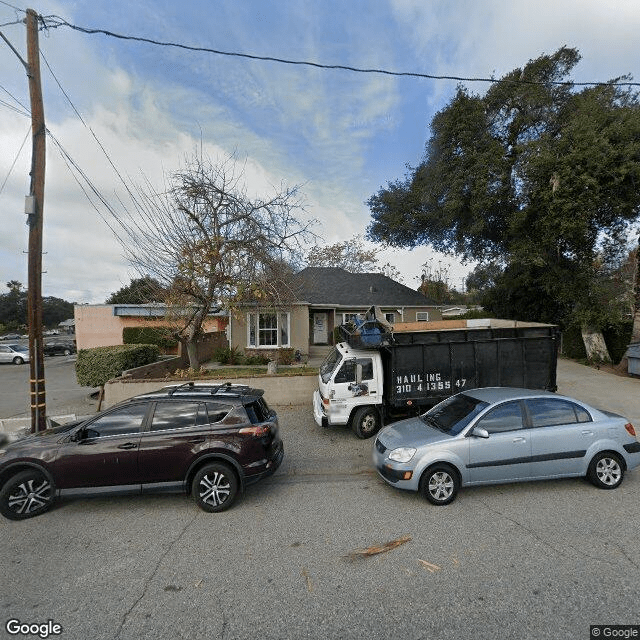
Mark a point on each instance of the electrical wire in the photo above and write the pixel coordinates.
(15, 159)
(54, 22)
(95, 137)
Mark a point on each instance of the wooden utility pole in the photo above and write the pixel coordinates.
(35, 206)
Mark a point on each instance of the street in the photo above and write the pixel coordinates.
(534, 560)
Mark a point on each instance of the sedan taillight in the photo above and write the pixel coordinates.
(258, 431)
(630, 429)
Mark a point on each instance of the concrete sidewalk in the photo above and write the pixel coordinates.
(601, 389)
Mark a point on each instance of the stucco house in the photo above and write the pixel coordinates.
(325, 298)
(101, 325)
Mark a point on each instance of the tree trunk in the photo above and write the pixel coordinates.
(595, 345)
(192, 352)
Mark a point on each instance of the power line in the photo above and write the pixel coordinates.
(25, 108)
(54, 22)
(15, 159)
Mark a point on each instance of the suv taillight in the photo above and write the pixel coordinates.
(630, 429)
(258, 431)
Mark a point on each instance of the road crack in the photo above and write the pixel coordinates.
(149, 580)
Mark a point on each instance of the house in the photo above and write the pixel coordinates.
(101, 325)
(325, 298)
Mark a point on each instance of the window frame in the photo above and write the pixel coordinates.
(282, 330)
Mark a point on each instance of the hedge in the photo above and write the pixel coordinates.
(149, 335)
(95, 367)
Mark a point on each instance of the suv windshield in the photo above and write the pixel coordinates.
(330, 364)
(454, 414)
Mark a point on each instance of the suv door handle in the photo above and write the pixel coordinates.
(127, 445)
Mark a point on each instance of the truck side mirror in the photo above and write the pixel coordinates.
(358, 373)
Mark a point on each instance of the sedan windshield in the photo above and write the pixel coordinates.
(454, 414)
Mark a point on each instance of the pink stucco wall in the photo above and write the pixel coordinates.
(96, 326)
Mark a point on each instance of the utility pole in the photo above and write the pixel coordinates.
(34, 210)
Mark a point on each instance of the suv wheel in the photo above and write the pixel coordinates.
(215, 487)
(27, 494)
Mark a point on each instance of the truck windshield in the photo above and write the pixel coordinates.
(454, 414)
(330, 364)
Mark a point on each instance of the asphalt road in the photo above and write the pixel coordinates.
(534, 561)
(63, 393)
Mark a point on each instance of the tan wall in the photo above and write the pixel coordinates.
(282, 391)
(96, 326)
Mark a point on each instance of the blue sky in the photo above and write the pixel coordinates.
(339, 134)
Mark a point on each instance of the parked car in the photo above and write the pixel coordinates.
(497, 435)
(59, 348)
(15, 353)
(207, 440)
(12, 336)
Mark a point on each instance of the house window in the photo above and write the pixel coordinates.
(390, 318)
(422, 316)
(264, 329)
(349, 317)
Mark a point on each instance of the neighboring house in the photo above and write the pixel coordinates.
(326, 297)
(101, 325)
(454, 312)
(67, 326)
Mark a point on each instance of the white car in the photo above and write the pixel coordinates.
(15, 353)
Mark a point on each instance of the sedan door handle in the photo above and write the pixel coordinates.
(127, 445)
(197, 440)
(587, 433)
(519, 439)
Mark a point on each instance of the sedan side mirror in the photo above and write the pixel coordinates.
(479, 432)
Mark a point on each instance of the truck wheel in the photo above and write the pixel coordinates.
(366, 422)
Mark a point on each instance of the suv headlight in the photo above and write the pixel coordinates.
(402, 454)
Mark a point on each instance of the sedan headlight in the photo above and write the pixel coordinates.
(402, 454)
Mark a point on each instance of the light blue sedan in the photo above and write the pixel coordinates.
(496, 435)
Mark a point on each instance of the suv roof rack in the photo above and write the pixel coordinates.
(223, 389)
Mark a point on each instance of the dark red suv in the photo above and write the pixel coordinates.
(204, 439)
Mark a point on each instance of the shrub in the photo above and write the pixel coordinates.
(228, 355)
(285, 356)
(94, 367)
(160, 336)
(256, 359)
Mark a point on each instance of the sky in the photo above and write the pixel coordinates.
(131, 112)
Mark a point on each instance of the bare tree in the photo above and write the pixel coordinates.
(209, 244)
(351, 255)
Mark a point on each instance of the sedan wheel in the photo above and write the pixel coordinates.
(27, 494)
(606, 471)
(18, 360)
(215, 487)
(439, 484)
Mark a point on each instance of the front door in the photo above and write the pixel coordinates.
(320, 328)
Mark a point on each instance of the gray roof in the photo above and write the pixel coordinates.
(333, 286)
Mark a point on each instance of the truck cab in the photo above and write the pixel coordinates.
(350, 386)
